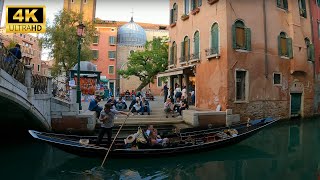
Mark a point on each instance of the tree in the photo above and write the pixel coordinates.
(62, 41)
(148, 63)
(11, 44)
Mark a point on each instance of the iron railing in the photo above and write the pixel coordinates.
(39, 83)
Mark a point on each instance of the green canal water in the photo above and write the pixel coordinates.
(287, 150)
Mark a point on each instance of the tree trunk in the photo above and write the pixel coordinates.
(142, 85)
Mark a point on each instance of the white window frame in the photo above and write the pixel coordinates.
(247, 86)
(112, 58)
(280, 79)
(98, 53)
(109, 69)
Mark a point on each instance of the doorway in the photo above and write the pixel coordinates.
(295, 104)
(111, 87)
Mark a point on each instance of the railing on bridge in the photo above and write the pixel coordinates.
(16, 68)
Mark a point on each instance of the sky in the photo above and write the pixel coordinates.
(148, 11)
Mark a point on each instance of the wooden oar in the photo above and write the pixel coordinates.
(105, 158)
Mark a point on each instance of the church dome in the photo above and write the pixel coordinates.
(85, 66)
(131, 34)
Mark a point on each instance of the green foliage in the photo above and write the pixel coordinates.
(148, 63)
(62, 41)
(12, 44)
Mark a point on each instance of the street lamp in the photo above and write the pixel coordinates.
(80, 33)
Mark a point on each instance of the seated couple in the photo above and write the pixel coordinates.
(119, 104)
(179, 106)
(154, 139)
(140, 106)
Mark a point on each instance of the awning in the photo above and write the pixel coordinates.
(172, 72)
(104, 79)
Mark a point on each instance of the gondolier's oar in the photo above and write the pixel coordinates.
(105, 158)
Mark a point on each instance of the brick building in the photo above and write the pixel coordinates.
(249, 56)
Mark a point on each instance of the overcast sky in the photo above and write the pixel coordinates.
(149, 11)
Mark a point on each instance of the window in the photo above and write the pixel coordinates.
(196, 43)
(186, 7)
(72, 1)
(95, 54)
(95, 39)
(111, 70)
(276, 78)
(284, 46)
(241, 85)
(173, 53)
(195, 4)
(318, 2)
(310, 50)
(302, 8)
(214, 44)
(38, 68)
(319, 28)
(174, 14)
(112, 40)
(241, 36)
(84, 1)
(185, 49)
(283, 4)
(159, 82)
(112, 54)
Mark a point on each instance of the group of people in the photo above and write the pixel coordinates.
(140, 106)
(154, 139)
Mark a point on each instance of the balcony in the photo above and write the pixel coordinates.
(212, 53)
(195, 57)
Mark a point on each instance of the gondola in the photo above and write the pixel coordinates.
(192, 140)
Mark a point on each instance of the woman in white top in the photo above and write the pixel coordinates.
(184, 93)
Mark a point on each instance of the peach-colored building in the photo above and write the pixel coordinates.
(30, 48)
(248, 56)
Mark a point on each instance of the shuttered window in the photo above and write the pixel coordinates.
(186, 48)
(302, 8)
(196, 45)
(318, 2)
(95, 54)
(95, 39)
(186, 6)
(112, 54)
(285, 45)
(241, 36)
(111, 69)
(214, 39)
(195, 4)
(112, 40)
(175, 13)
(310, 50)
(283, 4)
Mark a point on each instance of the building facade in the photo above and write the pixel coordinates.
(315, 20)
(30, 48)
(258, 66)
(87, 7)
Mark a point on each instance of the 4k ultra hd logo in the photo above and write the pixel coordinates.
(26, 19)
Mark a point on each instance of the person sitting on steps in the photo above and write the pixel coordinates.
(168, 107)
(135, 105)
(145, 107)
(94, 106)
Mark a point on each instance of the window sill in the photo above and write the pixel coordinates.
(194, 60)
(284, 57)
(282, 9)
(277, 85)
(212, 1)
(112, 44)
(182, 63)
(242, 50)
(195, 11)
(240, 102)
(112, 59)
(171, 66)
(184, 17)
(173, 25)
(217, 56)
(95, 44)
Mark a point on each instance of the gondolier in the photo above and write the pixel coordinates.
(107, 117)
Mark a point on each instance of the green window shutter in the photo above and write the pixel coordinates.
(215, 39)
(279, 3)
(196, 43)
(290, 50)
(175, 14)
(199, 3)
(234, 39)
(193, 4)
(279, 46)
(188, 50)
(304, 8)
(171, 16)
(182, 49)
(248, 39)
(311, 47)
(285, 4)
(318, 2)
(110, 40)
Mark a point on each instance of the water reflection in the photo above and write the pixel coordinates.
(288, 150)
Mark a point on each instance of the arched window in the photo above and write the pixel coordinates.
(241, 36)
(196, 46)
(284, 45)
(185, 50)
(302, 8)
(173, 53)
(310, 49)
(283, 4)
(214, 44)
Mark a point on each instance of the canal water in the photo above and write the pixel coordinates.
(287, 150)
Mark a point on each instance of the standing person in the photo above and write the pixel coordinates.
(165, 91)
(107, 118)
(13, 57)
(178, 92)
(94, 106)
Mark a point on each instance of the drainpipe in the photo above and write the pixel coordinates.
(265, 40)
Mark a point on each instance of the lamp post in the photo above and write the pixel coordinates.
(80, 33)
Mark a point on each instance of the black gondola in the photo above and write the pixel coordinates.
(181, 142)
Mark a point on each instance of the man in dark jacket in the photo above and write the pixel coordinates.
(13, 57)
